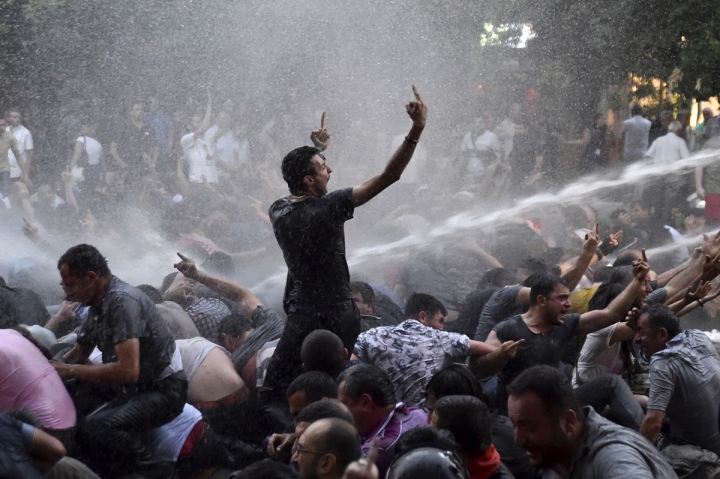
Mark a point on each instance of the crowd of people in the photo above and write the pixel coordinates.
(549, 346)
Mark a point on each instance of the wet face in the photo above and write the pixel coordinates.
(543, 437)
(77, 288)
(363, 307)
(651, 341)
(557, 304)
(14, 118)
(436, 321)
(322, 175)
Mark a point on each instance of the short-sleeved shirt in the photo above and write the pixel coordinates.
(637, 132)
(608, 450)
(162, 125)
(410, 354)
(685, 384)
(125, 313)
(24, 143)
(15, 458)
(7, 141)
(132, 142)
(538, 349)
(28, 381)
(499, 307)
(207, 314)
(311, 234)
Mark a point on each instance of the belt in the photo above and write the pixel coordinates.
(238, 396)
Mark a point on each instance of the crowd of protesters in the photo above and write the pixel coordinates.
(553, 345)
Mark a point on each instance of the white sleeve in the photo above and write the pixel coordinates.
(187, 141)
(28, 141)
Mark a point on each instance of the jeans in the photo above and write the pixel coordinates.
(611, 390)
(343, 319)
(5, 184)
(112, 438)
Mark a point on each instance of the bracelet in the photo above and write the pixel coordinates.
(700, 303)
(410, 140)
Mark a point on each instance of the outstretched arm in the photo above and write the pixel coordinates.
(573, 276)
(248, 301)
(371, 188)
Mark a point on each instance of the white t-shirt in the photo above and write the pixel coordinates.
(200, 161)
(598, 357)
(668, 149)
(25, 143)
(93, 149)
(227, 147)
(170, 438)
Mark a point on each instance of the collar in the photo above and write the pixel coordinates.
(379, 428)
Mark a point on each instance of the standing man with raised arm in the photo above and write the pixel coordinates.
(309, 227)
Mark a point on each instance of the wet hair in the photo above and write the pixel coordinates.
(315, 384)
(660, 316)
(496, 278)
(366, 379)
(152, 292)
(551, 386)
(340, 439)
(324, 409)
(626, 258)
(532, 279)
(454, 379)
(611, 288)
(323, 350)
(168, 281)
(297, 165)
(534, 263)
(423, 302)
(468, 419)
(83, 258)
(636, 109)
(235, 324)
(366, 291)
(426, 437)
(544, 286)
(23, 415)
(266, 469)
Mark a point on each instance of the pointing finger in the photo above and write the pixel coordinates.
(597, 229)
(644, 256)
(322, 121)
(27, 222)
(417, 95)
(183, 257)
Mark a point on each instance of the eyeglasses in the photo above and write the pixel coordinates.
(301, 449)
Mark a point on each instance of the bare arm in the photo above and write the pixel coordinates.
(493, 360)
(237, 293)
(393, 170)
(77, 153)
(64, 314)
(616, 310)
(683, 279)
(652, 424)
(573, 276)
(698, 182)
(126, 370)
(45, 450)
(665, 277)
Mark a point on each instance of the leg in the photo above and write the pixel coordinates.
(611, 390)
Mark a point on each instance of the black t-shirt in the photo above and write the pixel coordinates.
(498, 308)
(538, 349)
(311, 235)
(126, 313)
(132, 142)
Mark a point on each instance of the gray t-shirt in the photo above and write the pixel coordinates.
(685, 384)
(499, 307)
(608, 450)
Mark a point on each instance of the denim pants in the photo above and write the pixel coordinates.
(610, 390)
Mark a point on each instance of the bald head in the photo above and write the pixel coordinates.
(336, 437)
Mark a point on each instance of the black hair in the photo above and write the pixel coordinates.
(235, 324)
(83, 258)
(611, 288)
(153, 293)
(551, 386)
(296, 166)
(342, 440)
(425, 437)
(544, 286)
(326, 408)
(534, 263)
(168, 280)
(367, 379)
(454, 379)
(315, 384)
(423, 302)
(23, 415)
(323, 350)
(365, 290)
(496, 278)
(660, 316)
(635, 109)
(626, 258)
(266, 469)
(468, 419)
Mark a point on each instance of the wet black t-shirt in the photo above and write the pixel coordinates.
(311, 234)
(538, 349)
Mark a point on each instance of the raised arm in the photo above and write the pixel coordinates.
(616, 310)
(698, 182)
(573, 276)
(393, 170)
(248, 301)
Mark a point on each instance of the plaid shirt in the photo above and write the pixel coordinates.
(207, 314)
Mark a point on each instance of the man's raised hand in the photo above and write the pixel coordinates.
(417, 110)
(641, 268)
(321, 137)
(364, 468)
(592, 240)
(187, 267)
